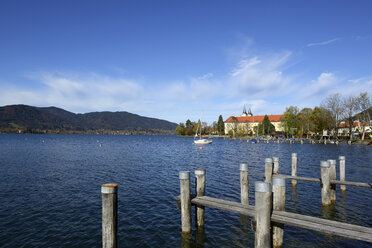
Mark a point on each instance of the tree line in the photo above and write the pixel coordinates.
(333, 110)
(191, 128)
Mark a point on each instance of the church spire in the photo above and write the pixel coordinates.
(250, 112)
(244, 111)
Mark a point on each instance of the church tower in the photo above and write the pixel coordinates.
(250, 112)
(244, 112)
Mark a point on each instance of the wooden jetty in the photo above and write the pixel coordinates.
(269, 209)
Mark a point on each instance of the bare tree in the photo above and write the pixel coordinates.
(350, 105)
(364, 104)
(334, 104)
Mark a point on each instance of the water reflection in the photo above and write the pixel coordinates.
(294, 199)
(244, 221)
(201, 238)
(329, 212)
(186, 240)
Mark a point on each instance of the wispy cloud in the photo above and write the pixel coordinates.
(323, 43)
(260, 76)
(77, 93)
(321, 86)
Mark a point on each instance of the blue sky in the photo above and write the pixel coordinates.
(177, 59)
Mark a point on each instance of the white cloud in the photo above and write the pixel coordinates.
(260, 76)
(77, 93)
(323, 43)
(205, 76)
(199, 89)
(321, 86)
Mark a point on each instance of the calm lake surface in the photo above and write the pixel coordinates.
(50, 189)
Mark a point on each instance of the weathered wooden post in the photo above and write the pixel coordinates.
(185, 201)
(268, 170)
(276, 165)
(200, 191)
(294, 169)
(342, 172)
(262, 216)
(109, 215)
(325, 182)
(332, 174)
(244, 184)
(279, 205)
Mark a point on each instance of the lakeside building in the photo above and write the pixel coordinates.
(247, 123)
(343, 128)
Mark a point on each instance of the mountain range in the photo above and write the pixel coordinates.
(41, 119)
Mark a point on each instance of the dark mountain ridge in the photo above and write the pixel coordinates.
(24, 117)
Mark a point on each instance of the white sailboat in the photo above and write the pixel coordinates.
(199, 139)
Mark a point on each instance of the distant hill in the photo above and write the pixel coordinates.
(28, 118)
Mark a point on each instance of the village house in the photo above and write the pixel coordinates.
(247, 123)
(343, 128)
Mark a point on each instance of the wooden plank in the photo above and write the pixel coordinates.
(309, 179)
(230, 206)
(332, 223)
(322, 227)
(303, 221)
(317, 180)
(356, 184)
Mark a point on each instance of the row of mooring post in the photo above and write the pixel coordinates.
(328, 173)
(268, 195)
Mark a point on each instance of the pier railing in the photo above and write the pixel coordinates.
(269, 209)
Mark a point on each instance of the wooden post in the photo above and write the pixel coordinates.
(200, 191)
(294, 169)
(109, 215)
(185, 201)
(268, 170)
(244, 184)
(342, 172)
(332, 175)
(276, 165)
(325, 183)
(262, 216)
(279, 205)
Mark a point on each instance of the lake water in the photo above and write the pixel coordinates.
(50, 189)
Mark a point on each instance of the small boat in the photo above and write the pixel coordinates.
(253, 141)
(202, 141)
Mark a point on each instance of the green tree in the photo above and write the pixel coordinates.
(304, 121)
(180, 130)
(189, 124)
(290, 120)
(220, 125)
(265, 127)
(321, 119)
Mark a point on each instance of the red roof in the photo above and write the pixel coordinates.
(355, 124)
(257, 118)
